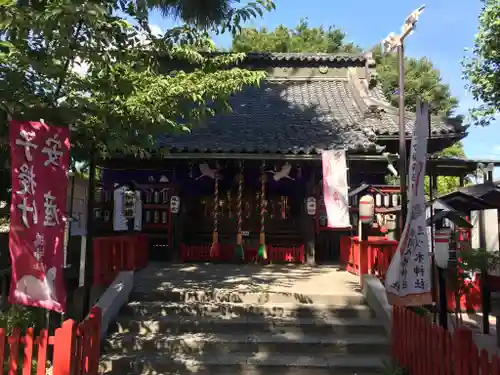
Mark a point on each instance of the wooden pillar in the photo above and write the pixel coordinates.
(175, 234)
(462, 180)
(309, 226)
(88, 266)
(435, 190)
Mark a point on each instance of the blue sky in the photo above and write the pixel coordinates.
(445, 29)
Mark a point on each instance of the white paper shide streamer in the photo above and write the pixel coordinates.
(408, 280)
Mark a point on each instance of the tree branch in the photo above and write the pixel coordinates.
(69, 61)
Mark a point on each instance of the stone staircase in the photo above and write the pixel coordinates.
(165, 330)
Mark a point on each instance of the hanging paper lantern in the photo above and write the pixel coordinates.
(387, 200)
(395, 200)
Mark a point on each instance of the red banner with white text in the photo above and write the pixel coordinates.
(40, 162)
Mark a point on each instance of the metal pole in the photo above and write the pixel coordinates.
(402, 137)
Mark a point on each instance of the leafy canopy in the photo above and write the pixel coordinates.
(123, 99)
(482, 69)
(300, 39)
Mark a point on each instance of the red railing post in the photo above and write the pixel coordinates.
(28, 352)
(97, 249)
(95, 316)
(43, 343)
(133, 253)
(396, 327)
(63, 348)
(462, 346)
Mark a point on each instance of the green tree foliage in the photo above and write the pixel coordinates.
(80, 63)
(421, 78)
(446, 184)
(482, 69)
(300, 39)
(124, 99)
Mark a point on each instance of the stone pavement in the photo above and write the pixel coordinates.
(245, 319)
(254, 278)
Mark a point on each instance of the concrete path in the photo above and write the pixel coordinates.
(482, 341)
(254, 278)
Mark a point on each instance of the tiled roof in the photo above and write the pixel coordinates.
(284, 117)
(303, 115)
(389, 124)
(306, 57)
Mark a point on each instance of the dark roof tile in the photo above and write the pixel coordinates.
(284, 117)
(304, 116)
(306, 57)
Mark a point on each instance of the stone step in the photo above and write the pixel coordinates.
(153, 309)
(154, 292)
(236, 325)
(263, 343)
(242, 363)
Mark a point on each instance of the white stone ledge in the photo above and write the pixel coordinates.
(376, 298)
(114, 297)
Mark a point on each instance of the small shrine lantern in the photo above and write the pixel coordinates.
(442, 247)
(366, 209)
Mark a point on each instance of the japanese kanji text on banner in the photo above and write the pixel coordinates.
(408, 280)
(335, 189)
(40, 161)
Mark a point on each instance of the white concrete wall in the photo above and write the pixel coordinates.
(491, 230)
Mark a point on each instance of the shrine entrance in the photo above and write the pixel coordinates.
(242, 208)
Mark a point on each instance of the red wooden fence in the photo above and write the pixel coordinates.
(276, 254)
(75, 348)
(372, 256)
(423, 348)
(118, 253)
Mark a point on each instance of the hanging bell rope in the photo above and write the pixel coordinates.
(262, 252)
(240, 253)
(214, 249)
(229, 204)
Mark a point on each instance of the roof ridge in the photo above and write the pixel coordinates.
(298, 56)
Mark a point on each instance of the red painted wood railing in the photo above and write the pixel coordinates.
(276, 254)
(279, 254)
(118, 253)
(426, 349)
(75, 348)
(372, 256)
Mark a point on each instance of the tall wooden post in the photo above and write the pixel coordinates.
(176, 219)
(309, 222)
(89, 253)
(462, 180)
